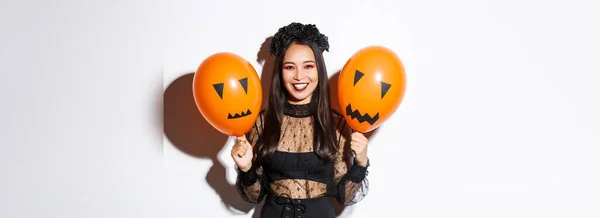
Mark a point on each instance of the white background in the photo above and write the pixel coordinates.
(500, 117)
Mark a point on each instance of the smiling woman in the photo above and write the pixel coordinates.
(300, 75)
(299, 152)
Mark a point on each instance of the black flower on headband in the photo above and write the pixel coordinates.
(297, 31)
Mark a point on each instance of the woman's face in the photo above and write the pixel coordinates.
(299, 73)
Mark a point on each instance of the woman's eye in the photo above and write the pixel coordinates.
(309, 66)
(288, 67)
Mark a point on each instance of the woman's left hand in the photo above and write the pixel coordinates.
(359, 146)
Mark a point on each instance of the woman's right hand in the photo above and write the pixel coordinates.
(242, 153)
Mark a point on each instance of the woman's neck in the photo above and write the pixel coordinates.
(298, 109)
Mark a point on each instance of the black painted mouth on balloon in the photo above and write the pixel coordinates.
(355, 114)
(239, 115)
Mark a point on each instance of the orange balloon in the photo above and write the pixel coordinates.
(228, 93)
(371, 87)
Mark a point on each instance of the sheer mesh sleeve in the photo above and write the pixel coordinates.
(349, 177)
(249, 184)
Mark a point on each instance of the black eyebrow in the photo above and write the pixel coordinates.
(289, 62)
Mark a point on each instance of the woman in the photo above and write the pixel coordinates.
(299, 152)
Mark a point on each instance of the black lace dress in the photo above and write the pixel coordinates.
(294, 182)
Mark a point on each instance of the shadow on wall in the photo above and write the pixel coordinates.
(189, 132)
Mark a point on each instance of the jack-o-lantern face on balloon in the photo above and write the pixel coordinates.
(370, 87)
(228, 93)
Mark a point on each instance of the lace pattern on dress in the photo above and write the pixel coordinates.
(348, 182)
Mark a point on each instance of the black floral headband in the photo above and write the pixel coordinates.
(297, 31)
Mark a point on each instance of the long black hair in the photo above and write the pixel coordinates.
(325, 140)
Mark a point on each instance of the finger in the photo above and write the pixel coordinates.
(362, 136)
(235, 148)
(241, 138)
(356, 138)
(240, 153)
(245, 145)
(359, 137)
(357, 147)
(235, 152)
(358, 151)
(354, 146)
(360, 143)
(243, 152)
